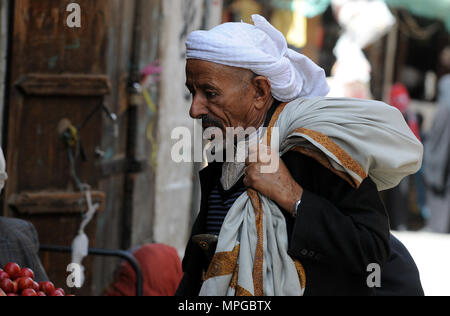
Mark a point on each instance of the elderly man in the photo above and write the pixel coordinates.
(315, 225)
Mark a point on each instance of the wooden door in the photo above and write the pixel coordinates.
(56, 73)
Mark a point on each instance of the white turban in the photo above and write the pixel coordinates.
(262, 49)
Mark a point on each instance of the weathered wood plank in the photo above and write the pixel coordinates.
(61, 203)
(64, 85)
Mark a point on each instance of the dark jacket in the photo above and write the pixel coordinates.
(19, 243)
(338, 233)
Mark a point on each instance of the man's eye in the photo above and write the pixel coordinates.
(210, 95)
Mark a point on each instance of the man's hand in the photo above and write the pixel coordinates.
(277, 184)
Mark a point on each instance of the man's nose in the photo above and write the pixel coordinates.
(198, 107)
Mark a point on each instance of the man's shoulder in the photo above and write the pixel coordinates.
(10, 227)
(298, 162)
(317, 178)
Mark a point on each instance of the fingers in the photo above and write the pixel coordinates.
(259, 149)
(252, 155)
(258, 154)
(247, 182)
(250, 174)
(253, 148)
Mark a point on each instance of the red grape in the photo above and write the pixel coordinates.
(35, 286)
(62, 291)
(47, 287)
(27, 273)
(57, 293)
(12, 294)
(29, 292)
(25, 283)
(13, 270)
(7, 286)
(16, 286)
(41, 294)
(4, 275)
(2, 293)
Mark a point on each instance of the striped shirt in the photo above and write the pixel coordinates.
(219, 203)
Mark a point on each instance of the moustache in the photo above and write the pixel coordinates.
(208, 122)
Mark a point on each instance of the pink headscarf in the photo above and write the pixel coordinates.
(161, 271)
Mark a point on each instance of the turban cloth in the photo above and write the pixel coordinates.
(262, 49)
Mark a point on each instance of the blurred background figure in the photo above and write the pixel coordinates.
(363, 23)
(437, 163)
(401, 100)
(407, 198)
(161, 272)
(444, 61)
(19, 241)
(243, 10)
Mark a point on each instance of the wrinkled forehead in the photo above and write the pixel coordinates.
(197, 69)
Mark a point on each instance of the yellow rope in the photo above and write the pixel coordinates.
(154, 110)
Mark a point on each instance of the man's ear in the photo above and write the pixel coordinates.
(263, 93)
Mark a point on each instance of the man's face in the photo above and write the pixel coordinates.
(222, 96)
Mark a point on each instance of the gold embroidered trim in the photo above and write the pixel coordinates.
(346, 160)
(259, 255)
(223, 263)
(301, 274)
(240, 291)
(235, 278)
(268, 136)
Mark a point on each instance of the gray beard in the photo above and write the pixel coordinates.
(233, 171)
